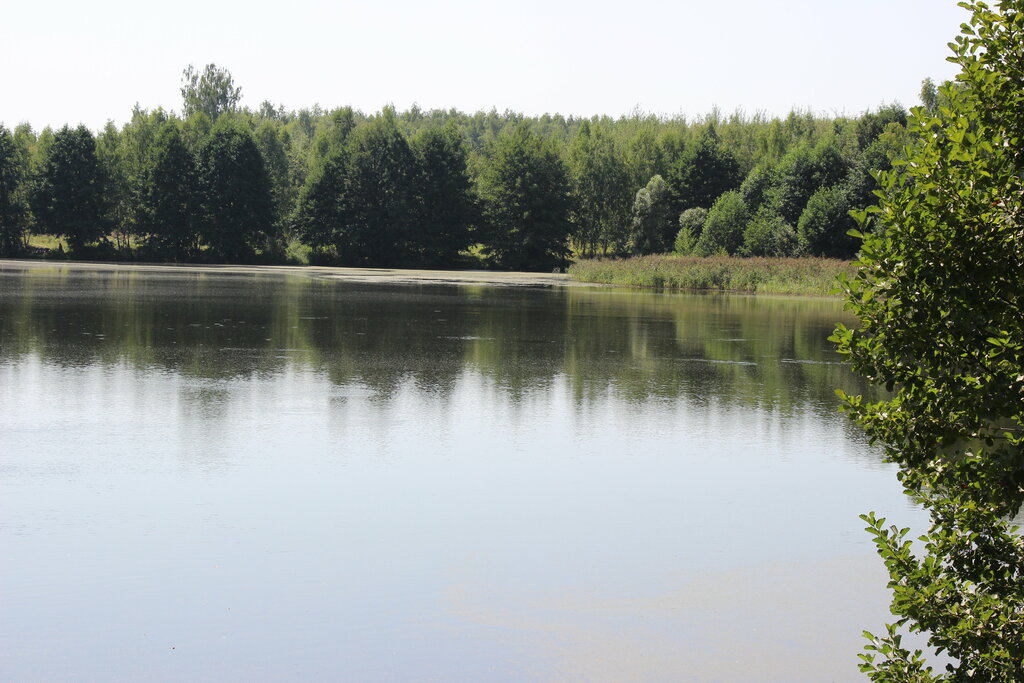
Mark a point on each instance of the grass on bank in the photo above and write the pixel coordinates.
(815, 276)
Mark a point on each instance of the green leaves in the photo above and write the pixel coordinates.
(526, 202)
(171, 200)
(652, 218)
(963, 588)
(940, 295)
(212, 92)
(602, 191)
(378, 200)
(238, 210)
(13, 211)
(723, 230)
(703, 172)
(68, 195)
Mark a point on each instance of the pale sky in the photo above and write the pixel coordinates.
(75, 61)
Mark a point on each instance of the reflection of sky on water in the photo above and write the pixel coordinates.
(566, 494)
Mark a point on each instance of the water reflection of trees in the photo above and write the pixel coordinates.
(763, 351)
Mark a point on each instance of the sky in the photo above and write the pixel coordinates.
(71, 62)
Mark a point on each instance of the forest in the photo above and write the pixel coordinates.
(219, 182)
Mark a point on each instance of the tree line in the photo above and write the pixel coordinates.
(219, 182)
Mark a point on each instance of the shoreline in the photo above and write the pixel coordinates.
(643, 281)
(383, 275)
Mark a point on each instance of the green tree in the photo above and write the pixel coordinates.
(40, 151)
(768, 234)
(212, 91)
(119, 199)
(940, 298)
(26, 145)
(13, 211)
(444, 207)
(872, 124)
(878, 156)
(267, 110)
(644, 156)
(238, 211)
(132, 157)
(825, 223)
(171, 206)
(757, 188)
(68, 196)
(196, 131)
(723, 230)
(801, 173)
(703, 172)
(930, 96)
(691, 225)
(321, 207)
(332, 133)
(379, 220)
(273, 141)
(652, 218)
(526, 202)
(601, 190)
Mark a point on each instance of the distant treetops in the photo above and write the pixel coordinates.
(438, 188)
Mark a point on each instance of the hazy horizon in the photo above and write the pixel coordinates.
(92, 63)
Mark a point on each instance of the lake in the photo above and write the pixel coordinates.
(285, 476)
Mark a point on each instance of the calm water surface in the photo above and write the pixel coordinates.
(282, 477)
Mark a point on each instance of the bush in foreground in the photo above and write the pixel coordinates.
(940, 296)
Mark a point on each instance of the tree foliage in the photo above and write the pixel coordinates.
(444, 208)
(320, 209)
(652, 217)
(378, 224)
(526, 202)
(379, 199)
(825, 223)
(940, 298)
(238, 212)
(723, 229)
(802, 172)
(171, 198)
(601, 191)
(703, 172)
(768, 234)
(68, 198)
(13, 211)
(401, 218)
(273, 142)
(211, 91)
(691, 225)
